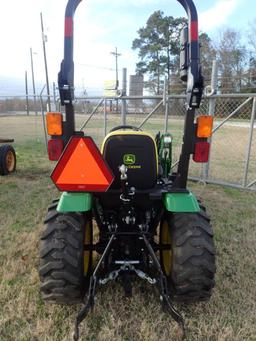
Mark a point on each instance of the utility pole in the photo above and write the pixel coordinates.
(116, 58)
(124, 93)
(44, 40)
(117, 81)
(26, 88)
(33, 79)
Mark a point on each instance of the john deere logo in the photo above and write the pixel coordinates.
(129, 159)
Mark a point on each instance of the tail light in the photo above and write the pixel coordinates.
(201, 153)
(55, 149)
(204, 127)
(54, 123)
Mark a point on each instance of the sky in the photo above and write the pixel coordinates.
(100, 26)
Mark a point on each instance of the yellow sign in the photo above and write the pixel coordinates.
(110, 88)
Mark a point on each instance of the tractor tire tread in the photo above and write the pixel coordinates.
(61, 257)
(44, 269)
(194, 252)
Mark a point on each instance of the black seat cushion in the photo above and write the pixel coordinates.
(138, 152)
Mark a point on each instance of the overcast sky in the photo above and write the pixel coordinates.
(100, 25)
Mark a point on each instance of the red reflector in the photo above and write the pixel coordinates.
(194, 31)
(55, 149)
(82, 168)
(202, 150)
(68, 27)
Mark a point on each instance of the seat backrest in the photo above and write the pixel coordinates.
(138, 151)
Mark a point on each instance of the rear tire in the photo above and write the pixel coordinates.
(65, 265)
(189, 264)
(7, 159)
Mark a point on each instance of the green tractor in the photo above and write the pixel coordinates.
(150, 225)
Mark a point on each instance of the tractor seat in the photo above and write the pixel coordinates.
(135, 149)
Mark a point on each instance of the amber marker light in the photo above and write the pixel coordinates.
(54, 123)
(204, 126)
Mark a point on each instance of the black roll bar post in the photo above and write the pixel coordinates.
(66, 74)
(195, 79)
(194, 84)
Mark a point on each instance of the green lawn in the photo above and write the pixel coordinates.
(229, 315)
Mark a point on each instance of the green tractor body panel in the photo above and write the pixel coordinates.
(164, 146)
(75, 202)
(181, 202)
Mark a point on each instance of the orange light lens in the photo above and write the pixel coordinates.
(54, 123)
(204, 126)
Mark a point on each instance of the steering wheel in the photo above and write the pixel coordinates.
(125, 127)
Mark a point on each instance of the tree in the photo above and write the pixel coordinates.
(252, 35)
(232, 60)
(207, 54)
(251, 81)
(158, 46)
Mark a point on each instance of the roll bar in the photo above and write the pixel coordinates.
(195, 80)
(66, 74)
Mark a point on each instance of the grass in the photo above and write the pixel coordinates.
(24, 198)
(229, 315)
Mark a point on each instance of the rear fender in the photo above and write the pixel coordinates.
(181, 202)
(75, 202)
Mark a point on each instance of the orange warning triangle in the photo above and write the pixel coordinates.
(82, 168)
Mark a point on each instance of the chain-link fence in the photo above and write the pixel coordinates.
(233, 145)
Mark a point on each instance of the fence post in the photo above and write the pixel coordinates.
(166, 104)
(249, 147)
(105, 116)
(211, 112)
(54, 96)
(124, 92)
(43, 118)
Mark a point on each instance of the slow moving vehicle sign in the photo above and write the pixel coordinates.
(82, 168)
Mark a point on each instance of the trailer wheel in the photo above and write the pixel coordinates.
(7, 159)
(188, 259)
(65, 257)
